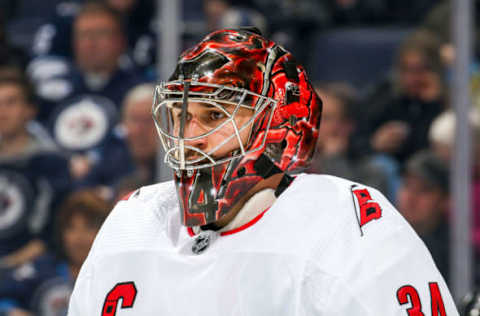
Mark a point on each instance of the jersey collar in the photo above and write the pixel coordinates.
(251, 213)
(192, 232)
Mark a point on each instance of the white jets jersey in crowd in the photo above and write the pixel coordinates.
(327, 246)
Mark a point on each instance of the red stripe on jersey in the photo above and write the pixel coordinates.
(235, 230)
(244, 226)
(127, 196)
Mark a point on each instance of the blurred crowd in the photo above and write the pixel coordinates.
(76, 134)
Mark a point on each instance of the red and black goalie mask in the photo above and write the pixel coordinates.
(237, 109)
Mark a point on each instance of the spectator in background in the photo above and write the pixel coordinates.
(399, 111)
(442, 138)
(424, 200)
(42, 287)
(470, 303)
(99, 42)
(333, 154)
(140, 131)
(438, 21)
(133, 147)
(33, 176)
(55, 37)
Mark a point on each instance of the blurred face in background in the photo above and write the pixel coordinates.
(442, 150)
(142, 136)
(422, 204)
(98, 43)
(77, 237)
(15, 112)
(445, 152)
(336, 127)
(334, 121)
(214, 11)
(417, 79)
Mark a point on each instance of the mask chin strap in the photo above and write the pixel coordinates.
(266, 168)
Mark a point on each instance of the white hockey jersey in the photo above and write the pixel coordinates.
(327, 246)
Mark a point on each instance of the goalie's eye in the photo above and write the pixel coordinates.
(217, 115)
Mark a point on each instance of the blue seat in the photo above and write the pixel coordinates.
(360, 56)
(194, 23)
(192, 10)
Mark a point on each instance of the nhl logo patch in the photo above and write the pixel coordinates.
(203, 241)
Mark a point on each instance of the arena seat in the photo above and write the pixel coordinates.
(359, 55)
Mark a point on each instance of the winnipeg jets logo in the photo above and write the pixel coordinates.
(83, 123)
(15, 191)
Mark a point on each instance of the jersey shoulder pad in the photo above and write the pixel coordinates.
(343, 201)
(137, 219)
(162, 190)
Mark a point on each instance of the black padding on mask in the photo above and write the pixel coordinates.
(284, 183)
(291, 70)
(201, 65)
(251, 29)
(292, 94)
(265, 167)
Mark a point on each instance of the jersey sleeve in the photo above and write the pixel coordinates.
(83, 297)
(80, 300)
(374, 267)
(91, 287)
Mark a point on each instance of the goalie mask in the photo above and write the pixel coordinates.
(237, 110)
